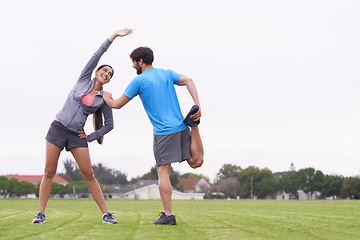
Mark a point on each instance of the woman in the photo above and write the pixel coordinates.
(67, 129)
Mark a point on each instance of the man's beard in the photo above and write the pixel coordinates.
(138, 69)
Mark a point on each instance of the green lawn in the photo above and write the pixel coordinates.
(244, 219)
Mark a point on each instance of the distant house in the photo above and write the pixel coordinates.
(301, 195)
(194, 185)
(35, 179)
(151, 192)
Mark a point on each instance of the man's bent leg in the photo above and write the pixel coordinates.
(165, 188)
(196, 148)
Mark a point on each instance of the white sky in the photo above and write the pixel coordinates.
(278, 80)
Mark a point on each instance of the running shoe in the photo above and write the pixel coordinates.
(188, 120)
(108, 218)
(40, 218)
(164, 220)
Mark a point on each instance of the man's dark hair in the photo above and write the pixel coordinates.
(144, 53)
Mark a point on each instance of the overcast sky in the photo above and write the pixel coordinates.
(278, 80)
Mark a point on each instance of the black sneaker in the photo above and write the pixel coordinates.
(40, 218)
(164, 220)
(188, 120)
(108, 218)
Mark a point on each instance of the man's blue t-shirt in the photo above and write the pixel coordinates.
(157, 92)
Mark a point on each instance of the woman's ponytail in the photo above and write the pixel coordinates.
(98, 123)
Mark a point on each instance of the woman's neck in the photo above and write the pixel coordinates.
(96, 89)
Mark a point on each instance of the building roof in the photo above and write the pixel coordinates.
(189, 183)
(34, 179)
(143, 183)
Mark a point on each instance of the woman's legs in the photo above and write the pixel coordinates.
(82, 157)
(165, 188)
(52, 157)
(196, 147)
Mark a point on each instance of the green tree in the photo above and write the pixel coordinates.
(309, 180)
(37, 189)
(120, 178)
(152, 175)
(317, 182)
(72, 172)
(288, 184)
(303, 179)
(4, 186)
(109, 176)
(332, 186)
(267, 187)
(228, 170)
(58, 189)
(27, 188)
(249, 181)
(246, 181)
(14, 188)
(78, 188)
(103, 174)
(350, 188)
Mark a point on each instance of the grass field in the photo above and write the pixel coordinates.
(81, 219)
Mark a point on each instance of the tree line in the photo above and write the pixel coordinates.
(231, 181)
(103, 174)
(107, 176)
(13, 188)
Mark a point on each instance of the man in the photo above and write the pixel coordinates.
(173, 140)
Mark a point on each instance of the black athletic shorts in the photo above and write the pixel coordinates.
(63, 137)
(172, 148)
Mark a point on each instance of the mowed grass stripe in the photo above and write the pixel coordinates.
(265, 226)
(301, 223)
(82, 219)
(232, 221)
(60, 220)
(52, 232)
(307, 219)
(192, 223)
(10, 214)
(204, 217)
(316, 214)
(224, 225)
